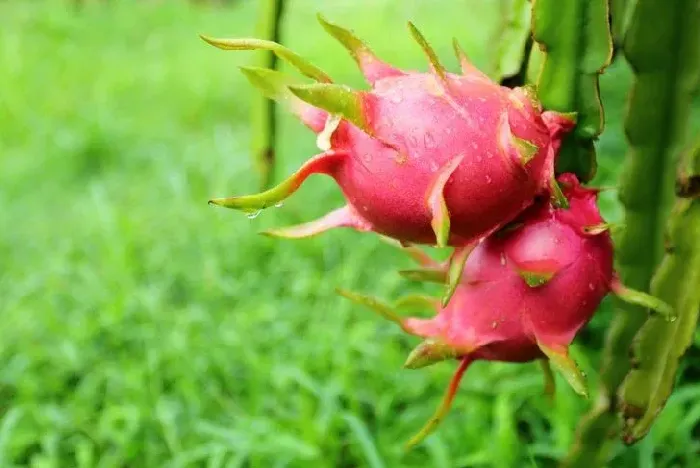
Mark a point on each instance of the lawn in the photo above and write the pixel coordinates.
(143, 328)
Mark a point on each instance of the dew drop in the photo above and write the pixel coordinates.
(429, 141)
(591, 286)
(488, 179)
(253, 214)
(279, 204)
(672, 318)
(503, 259)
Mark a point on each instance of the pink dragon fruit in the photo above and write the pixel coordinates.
(427, 158)
(524, 294)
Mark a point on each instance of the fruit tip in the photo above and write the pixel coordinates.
(209, 40)
(268, 233)
(447, 296)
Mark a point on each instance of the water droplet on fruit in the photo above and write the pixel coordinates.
(429, 141)
(488, 179)
(672, 318)
(253, 214)
(479, 158)
(591, 286)
(433, 166)
(279, 204)
(503, 259)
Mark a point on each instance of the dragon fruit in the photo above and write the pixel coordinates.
(524, 294)
(427, 158)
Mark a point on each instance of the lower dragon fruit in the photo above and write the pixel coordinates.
(524, 294)
(427, 158)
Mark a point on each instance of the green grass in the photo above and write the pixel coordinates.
(142, 328)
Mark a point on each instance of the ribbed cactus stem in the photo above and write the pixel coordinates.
(264, 122)
(514, 43)
(660, 344)
(666, 67)
(574, 45)
(619, 20)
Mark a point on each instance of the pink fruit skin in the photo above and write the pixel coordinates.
(485, 149)
(495, 315)
(418, 131)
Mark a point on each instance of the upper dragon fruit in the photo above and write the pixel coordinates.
(429, 158)
(524, 294)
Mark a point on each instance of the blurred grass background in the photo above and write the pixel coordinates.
(142, 328)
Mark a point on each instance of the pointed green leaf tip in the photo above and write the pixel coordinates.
(454, 271)
(429, 52)
(559, 200)
(351, 42)
(526, 149)
(461, 55)
(563, 363)
(428, 275)
(336, 99)
(550, 385)
(642, 299)
(294, 59)
(444, 407)
(535, 279)
(429, 352)
(597, 229)
(273, 84)
(437, 204)
(416, 300)
(376, 305)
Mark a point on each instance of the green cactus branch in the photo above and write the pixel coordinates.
(666, 66)
(264, 121)
(660, 344)
(574, 47)
(514, 42)
(619, 20)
